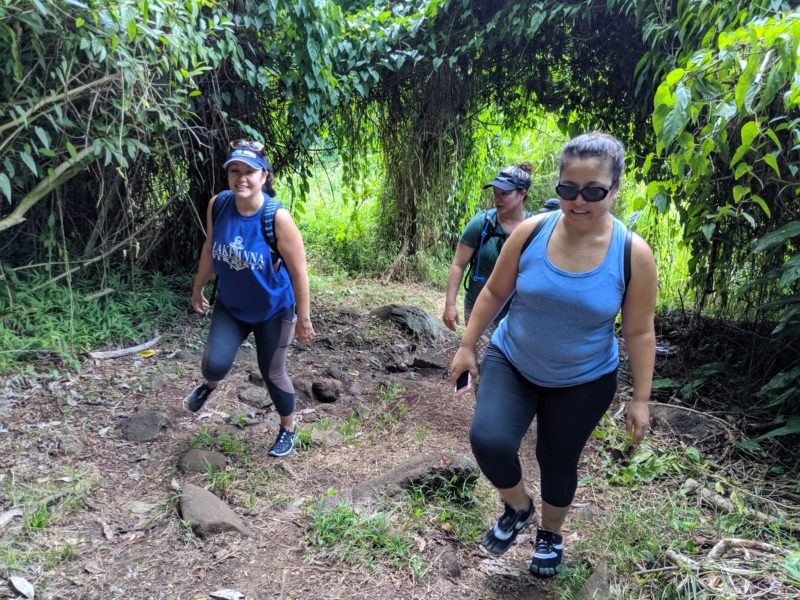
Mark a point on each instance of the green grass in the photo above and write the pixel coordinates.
(352, 536)
(647, 514)
(458, 505)
(225, 442)
(44, 320)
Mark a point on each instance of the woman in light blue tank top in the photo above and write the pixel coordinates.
(255, 248)
(555, 355)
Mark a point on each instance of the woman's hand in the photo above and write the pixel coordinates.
(464, 360)
(199, 302)
(450, 317)
(304, 330)
(637, 420)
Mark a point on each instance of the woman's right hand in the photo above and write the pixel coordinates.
(450, 317)
(464, 360)
(199, 302)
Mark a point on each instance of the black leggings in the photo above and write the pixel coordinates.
(272, 337)
(506, 405)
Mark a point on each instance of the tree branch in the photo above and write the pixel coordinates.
(63, 172)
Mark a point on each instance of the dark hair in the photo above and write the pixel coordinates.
(596, 144)
(267, 187)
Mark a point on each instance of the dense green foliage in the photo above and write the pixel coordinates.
(114, 116)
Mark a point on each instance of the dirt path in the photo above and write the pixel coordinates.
(110, 524)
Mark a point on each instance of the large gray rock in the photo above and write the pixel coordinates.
(197, 460)
(414, 320)
(145, 426)
(255, 396)
(207, 514)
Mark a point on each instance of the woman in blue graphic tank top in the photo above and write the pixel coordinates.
(555, 354)
(260, 290)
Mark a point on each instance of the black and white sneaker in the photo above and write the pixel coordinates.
(498, 539)
(198, 398)
(549, 553)
(284, 443)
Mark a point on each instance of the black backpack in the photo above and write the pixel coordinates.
(488, 231)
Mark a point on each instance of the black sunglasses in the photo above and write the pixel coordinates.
(257, 146)
(590, 193)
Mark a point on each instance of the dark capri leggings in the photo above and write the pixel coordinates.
(273, 337)
(506, 405)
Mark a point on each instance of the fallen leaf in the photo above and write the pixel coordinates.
(227, 594)
(107, 531)
(141, 508)
(147, 353)
(92, 567)
(23, 586)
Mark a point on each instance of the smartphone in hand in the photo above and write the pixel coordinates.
(463, 383)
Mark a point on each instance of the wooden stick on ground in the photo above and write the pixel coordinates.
(723, 546)
(125, 351)
(722, 503)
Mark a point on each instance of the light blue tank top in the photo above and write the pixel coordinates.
(249, 287)
(559, 331)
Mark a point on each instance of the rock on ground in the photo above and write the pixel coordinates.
(416, 321)
(254, 396)
(145, 426)
(327, 390)
(207, 514)
(197, 460)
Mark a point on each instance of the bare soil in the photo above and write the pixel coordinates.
(124, 527)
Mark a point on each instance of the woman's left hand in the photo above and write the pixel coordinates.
(304, 330)
(637, 420)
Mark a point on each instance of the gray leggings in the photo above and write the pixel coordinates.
(506, 405)
(272, 337)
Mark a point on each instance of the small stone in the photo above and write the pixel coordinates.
(145, 426)
(327, 390)
(448, 563)
(254, 396)
(207, 514)
(308, 415)
(197, 460)
(336, 373)
(325, 438)
(70, 446)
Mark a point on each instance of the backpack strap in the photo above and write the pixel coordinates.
(271, 206)
(626, 260)
(220, 202)
(534, 233)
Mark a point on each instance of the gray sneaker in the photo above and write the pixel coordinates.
(284, 443)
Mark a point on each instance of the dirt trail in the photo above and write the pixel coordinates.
(114, 502)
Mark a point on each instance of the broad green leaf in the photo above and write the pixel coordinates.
(5, 186)
(675, 121)
(131, 31)
(760, 201)
(792, 426)
(749, 132)
(739, 191)
(708, 230)
(674, 76)
(71, 149)
(29, 162)
(79, 22)
(772, 162)
(779, 236)
(664, 383)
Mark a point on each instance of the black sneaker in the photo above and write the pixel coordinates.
(549, 553)
(198, 398)
(284, 443)
(499, 538)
